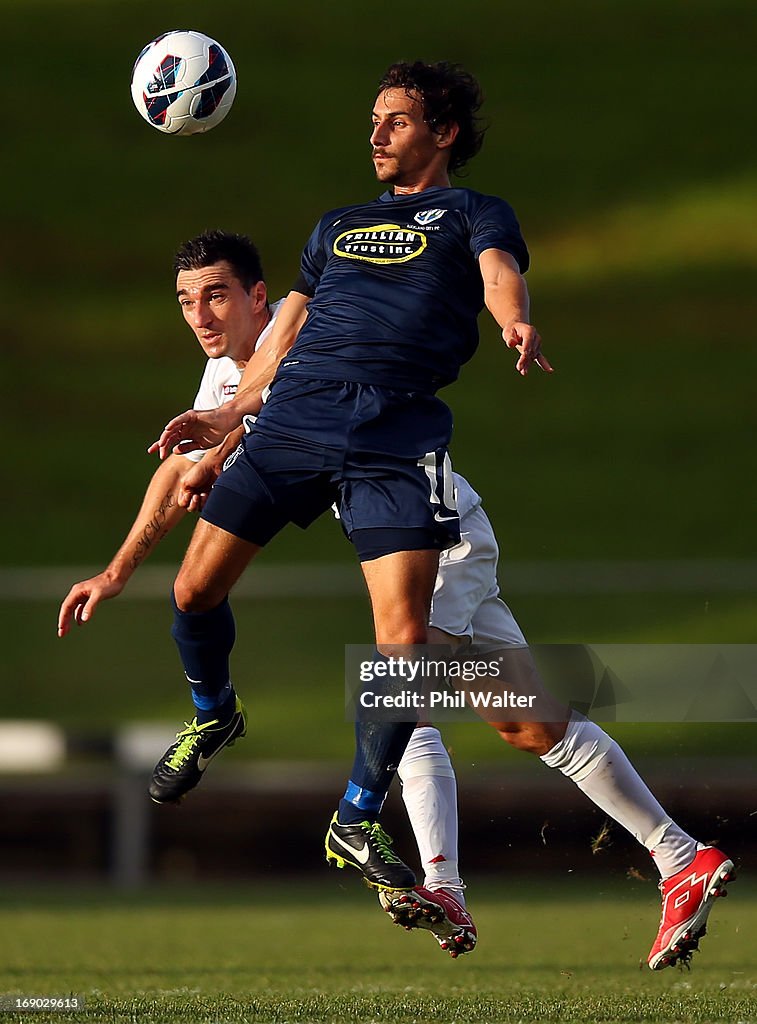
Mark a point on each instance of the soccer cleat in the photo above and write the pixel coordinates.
(436, 910)
(183, 764)
(368, 848)
(687, 899)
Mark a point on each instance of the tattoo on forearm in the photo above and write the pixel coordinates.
(154, 531)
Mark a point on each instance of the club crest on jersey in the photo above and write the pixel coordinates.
(428, 216)
(381, 243)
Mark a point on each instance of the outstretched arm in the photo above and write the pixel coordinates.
(158, 515)
(195, 429)
(506, 297)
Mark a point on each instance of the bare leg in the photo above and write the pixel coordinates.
(212, 565)
(584, 753)
(400, 587)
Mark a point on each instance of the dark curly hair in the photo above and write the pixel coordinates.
(213, 246)
(450, 95)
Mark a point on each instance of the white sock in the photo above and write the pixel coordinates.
(600, 769)
(429, 790)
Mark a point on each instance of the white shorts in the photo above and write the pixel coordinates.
(466, 599)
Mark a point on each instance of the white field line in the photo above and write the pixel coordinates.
(336, 580)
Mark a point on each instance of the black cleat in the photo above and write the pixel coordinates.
(367, 847)
(183, 764)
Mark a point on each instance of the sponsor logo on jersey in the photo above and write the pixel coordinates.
(382, 243)
(230, 389)
(428, 216)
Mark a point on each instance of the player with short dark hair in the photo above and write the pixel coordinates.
(382, 316)
(212, 247)
(223, 298)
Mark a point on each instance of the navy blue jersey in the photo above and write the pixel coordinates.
(396, 288)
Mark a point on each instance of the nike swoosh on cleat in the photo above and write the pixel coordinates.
(203, 762)
(362, 855)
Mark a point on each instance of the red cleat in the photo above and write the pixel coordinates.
(435, 910)
(687, 899)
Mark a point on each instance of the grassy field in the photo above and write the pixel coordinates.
(324, 953)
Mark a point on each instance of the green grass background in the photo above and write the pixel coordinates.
(567, 951)
(621, 134)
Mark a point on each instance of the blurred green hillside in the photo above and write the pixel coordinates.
(621, 132)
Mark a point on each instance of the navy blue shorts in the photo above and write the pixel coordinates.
(379, 455)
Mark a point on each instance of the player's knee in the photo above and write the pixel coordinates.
(400, 633)
(194, 595)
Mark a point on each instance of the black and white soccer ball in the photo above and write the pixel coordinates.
(183, 82)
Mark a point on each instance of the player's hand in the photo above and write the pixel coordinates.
(524, 338)
(192, 430)
(196, 484)
(82, 599)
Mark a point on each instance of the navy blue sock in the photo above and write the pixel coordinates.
(379, 750)
(205, 640)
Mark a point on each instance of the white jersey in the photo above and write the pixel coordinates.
(221, 379)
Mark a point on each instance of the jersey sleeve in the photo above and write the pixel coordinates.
(495, 226)
(206, 398)
(312, 263)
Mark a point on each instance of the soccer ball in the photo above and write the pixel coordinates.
(183, 83)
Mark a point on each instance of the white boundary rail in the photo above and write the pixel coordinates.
(687, 576)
